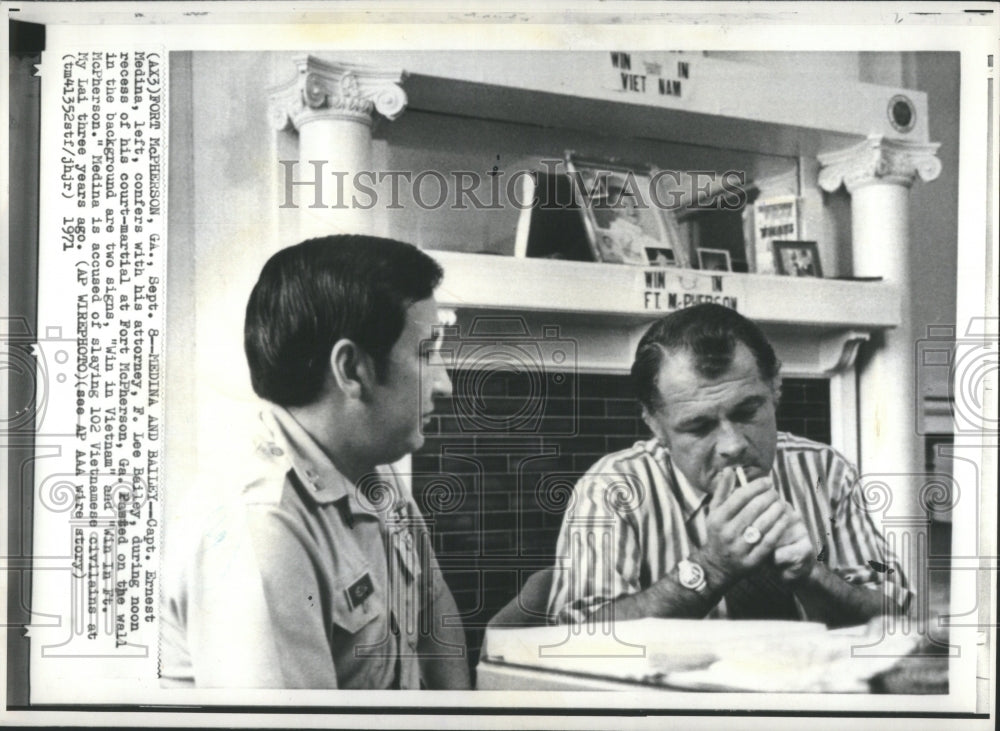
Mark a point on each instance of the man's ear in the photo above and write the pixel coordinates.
(776, 389)
(654, 427)
(351, 369)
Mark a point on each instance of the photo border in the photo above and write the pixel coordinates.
(970, 300)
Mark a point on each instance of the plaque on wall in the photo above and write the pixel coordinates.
(775, 219)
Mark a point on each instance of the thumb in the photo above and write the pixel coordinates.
(723, 483)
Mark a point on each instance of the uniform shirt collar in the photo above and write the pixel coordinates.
(286, 439)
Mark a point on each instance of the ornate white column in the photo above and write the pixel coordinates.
(331, 106)
(878, 173)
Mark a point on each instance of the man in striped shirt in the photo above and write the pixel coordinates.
(720, 515)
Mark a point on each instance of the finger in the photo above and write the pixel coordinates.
(767, 517)
(795, 567)
(795, 533)
(797, 527)
(788, 554)
(792, 574)
(765, 479)
(754, 508)
(793, 552)
(738, 500)
(770, 539)
(723, 484)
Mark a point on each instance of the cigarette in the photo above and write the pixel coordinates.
(741, 476)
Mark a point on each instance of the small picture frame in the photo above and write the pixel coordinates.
(797, 258)
(621, 218)
(660, 256)
(714, 260)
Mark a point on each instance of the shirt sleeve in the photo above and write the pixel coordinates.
(861, 555)
(254, 609)
(597, 553)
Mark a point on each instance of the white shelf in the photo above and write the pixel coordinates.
(721, 99)
(612, 292)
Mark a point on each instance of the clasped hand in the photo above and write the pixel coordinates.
(783, 539)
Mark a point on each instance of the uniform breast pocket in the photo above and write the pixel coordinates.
(357, 602)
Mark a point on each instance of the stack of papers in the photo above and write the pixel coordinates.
(734, 655)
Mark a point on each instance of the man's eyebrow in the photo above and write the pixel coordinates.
(750, 401)
(695, 420)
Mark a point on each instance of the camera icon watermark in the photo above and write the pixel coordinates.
(616, 495)
(957, 377)
(37, 368)
(507, 381)
(435, 493)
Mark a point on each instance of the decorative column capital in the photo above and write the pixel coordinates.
(879, 160)
(332, 90)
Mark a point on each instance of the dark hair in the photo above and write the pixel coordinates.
(312, 294)
(710, 333)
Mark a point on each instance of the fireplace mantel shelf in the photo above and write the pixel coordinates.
(606, 294)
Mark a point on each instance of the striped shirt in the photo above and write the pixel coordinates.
(633, 517)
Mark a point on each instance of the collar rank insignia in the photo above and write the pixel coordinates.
(359, 591)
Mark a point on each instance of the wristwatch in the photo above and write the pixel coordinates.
(692, 576)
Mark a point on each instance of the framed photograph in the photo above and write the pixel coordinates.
(797, 258)
(660, 256)
(623, 224)
(714, 260)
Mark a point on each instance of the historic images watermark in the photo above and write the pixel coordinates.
(494, 190)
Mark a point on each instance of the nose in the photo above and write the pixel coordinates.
(731, 444)
(441, 385)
